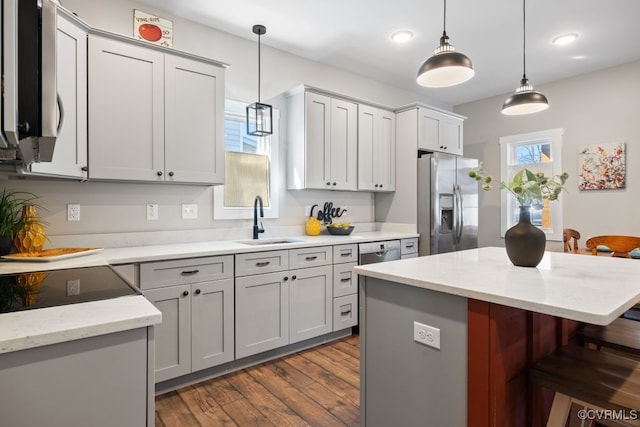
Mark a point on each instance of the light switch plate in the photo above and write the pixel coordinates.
(152, 212)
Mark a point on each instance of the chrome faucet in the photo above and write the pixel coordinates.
(257, 229)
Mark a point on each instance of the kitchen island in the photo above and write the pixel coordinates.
(73, 363)
(494, 319)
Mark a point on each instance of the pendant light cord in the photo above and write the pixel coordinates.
(524, 39)
(259, 68)
(444, 24)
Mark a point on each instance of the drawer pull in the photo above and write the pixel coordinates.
(198, 291)
(189, 272)
(262, 263)
(408, 245)
(311, 258)
(185, 293)
(346, 253)
(344, 313)
(294, 277)
(346, 279)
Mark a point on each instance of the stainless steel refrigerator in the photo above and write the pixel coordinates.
(447, 203)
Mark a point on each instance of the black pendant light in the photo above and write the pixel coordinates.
(525, 100)
(259, 115)
(446, 67)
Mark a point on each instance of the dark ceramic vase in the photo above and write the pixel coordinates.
(524, 241)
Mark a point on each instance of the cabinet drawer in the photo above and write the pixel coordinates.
(310, 257)
(345, 281)
(407, 256)
(193, 270)
(345, 312)
(409, 246)
(345, 253)
(261, 262)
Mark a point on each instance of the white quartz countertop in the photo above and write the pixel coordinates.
(34, 328)
(579, 287)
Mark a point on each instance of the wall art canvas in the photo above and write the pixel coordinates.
(602, 166)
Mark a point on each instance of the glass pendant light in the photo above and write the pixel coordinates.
(446, 67)
(525, 100)
(259, 115)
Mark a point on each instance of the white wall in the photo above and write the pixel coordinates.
(599, 107)
(120, 207)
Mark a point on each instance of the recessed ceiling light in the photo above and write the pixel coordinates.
(565, 38)
(402, 36)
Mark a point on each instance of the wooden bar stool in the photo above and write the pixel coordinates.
(623, 334)
(570, 238)
(593, 379)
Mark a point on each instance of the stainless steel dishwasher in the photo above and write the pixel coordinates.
(379, 251)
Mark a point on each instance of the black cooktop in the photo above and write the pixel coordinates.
(25, 291)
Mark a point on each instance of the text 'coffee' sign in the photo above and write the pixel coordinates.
(152, 29)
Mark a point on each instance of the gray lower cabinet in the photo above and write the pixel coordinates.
(262, 313)
(197, 329)
(100, 381)
(286, 303)
(345, 287)
(311, 302)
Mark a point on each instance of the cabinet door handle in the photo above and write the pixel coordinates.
(328, 183)
(345, 254)
(380, 185)
(311, 258)
(171, 173)
(84, 169)
(159, 173)
(408, 245)
(345, 279)
(285, 278)
(262, 263)
(185, 293)
(189, 272)
(333, 183)
(344, 313)
(294, 277)
(198, 291)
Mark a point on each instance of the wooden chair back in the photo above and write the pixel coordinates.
(619, 245)
(570, 238)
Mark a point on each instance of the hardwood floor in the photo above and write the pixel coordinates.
(316, 387)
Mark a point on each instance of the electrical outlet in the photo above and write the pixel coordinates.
(73, 287)
(152, 212)
(427, 335)
(73, 212)
(189, 211)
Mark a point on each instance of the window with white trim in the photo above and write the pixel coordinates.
(538, 152)
(251, 165)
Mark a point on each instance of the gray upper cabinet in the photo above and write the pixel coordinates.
(376, 149)
(439, 131)
(194, 121)
(153, 116)
(70, 153)
(323, 142)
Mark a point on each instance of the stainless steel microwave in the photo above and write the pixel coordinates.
(30, 111)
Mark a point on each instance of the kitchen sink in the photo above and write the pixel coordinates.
(273, 241)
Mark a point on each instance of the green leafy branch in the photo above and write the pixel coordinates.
(529, 188)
